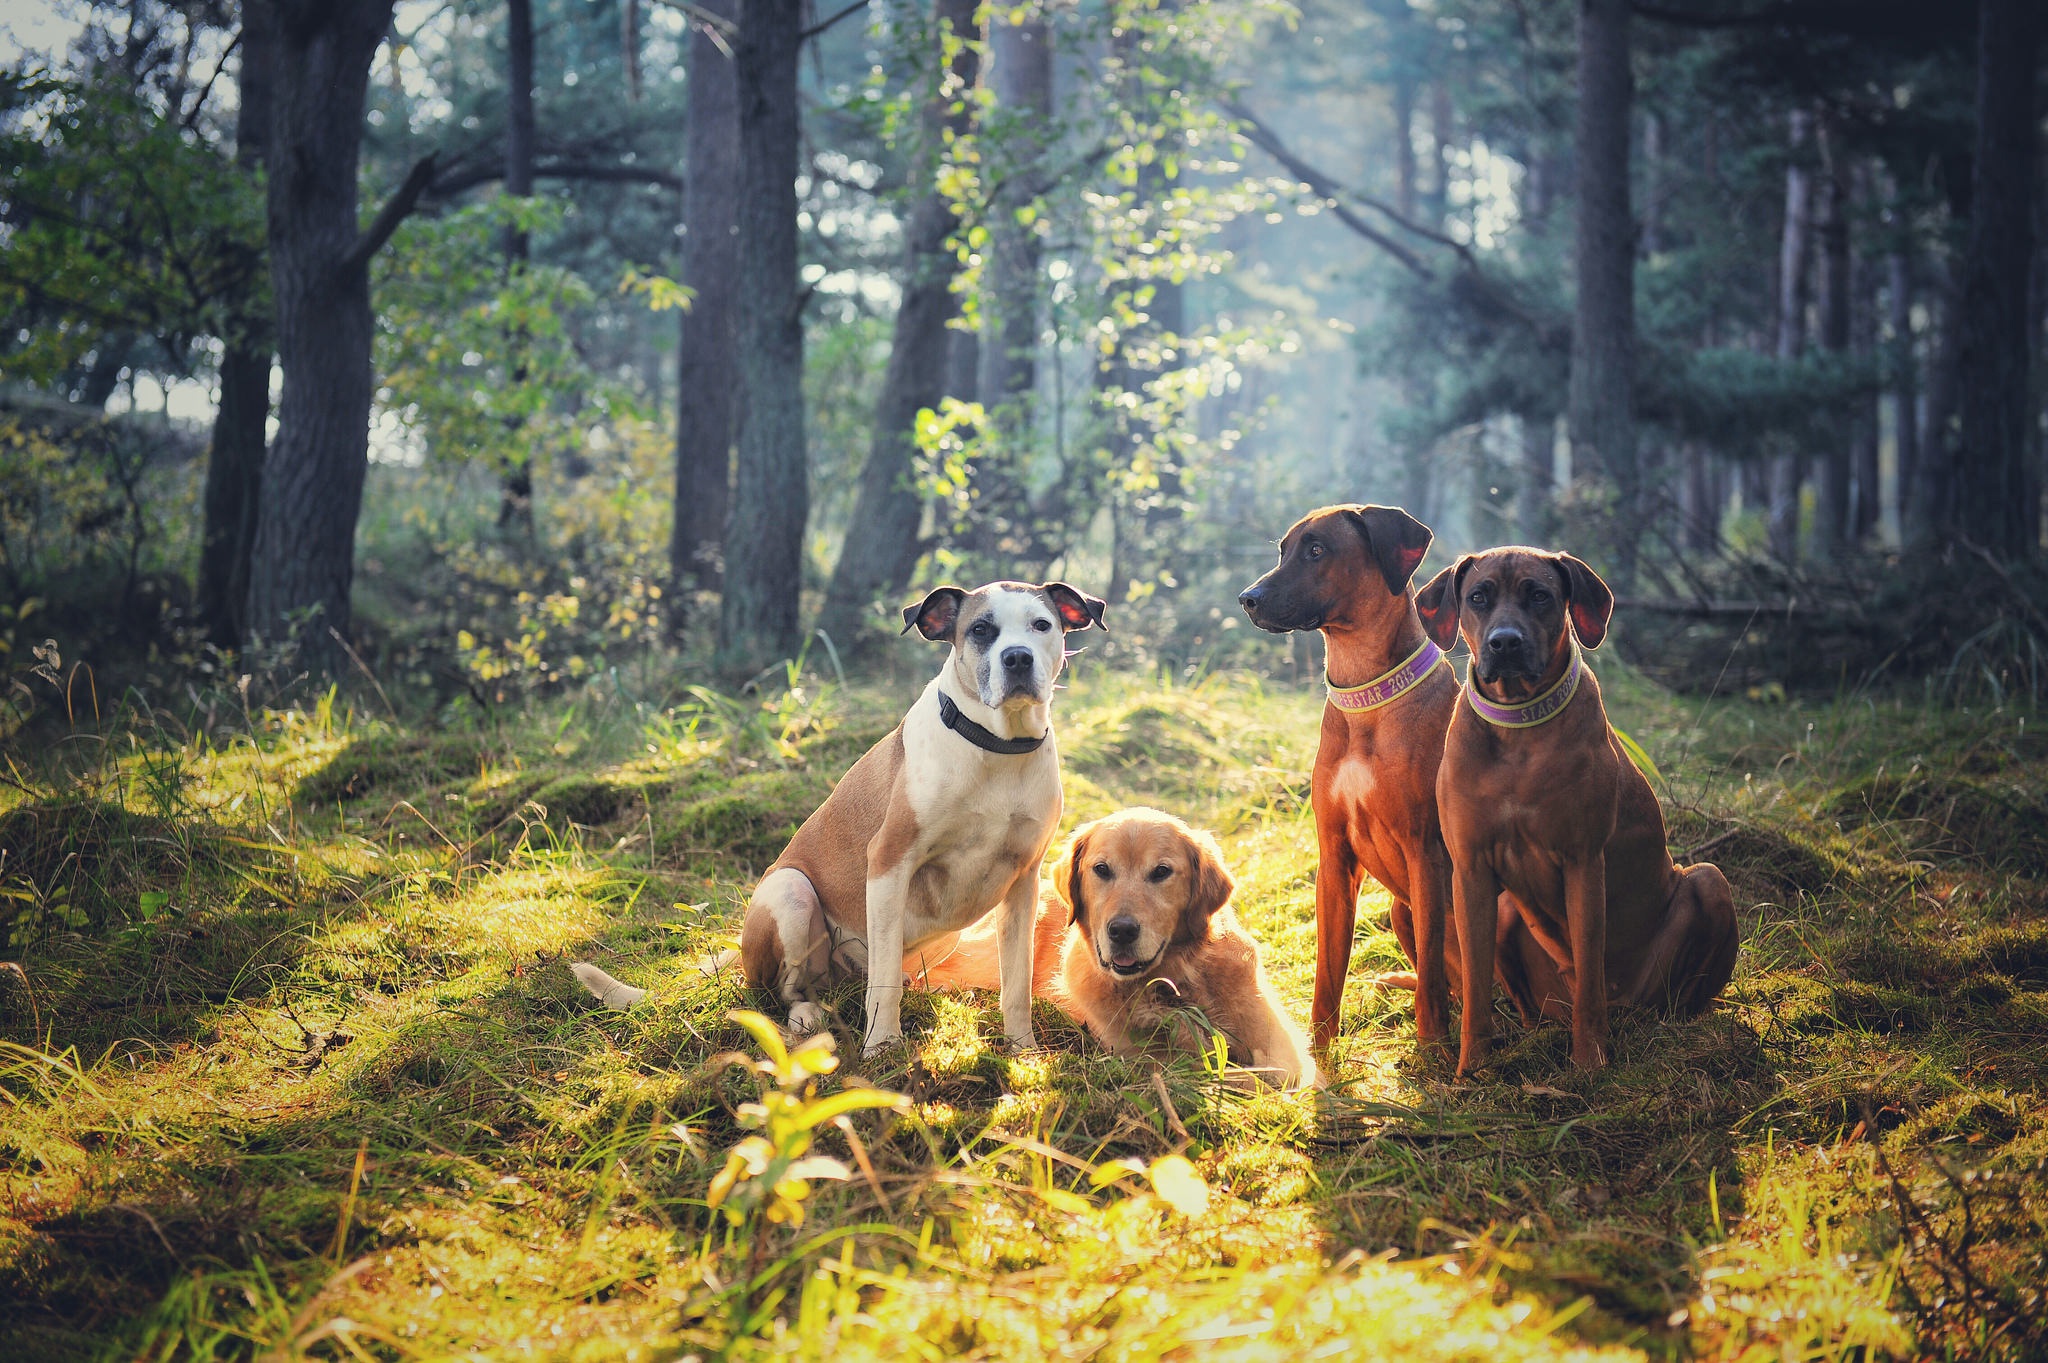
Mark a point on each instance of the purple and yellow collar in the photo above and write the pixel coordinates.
(1385, 690)
(1545, 707)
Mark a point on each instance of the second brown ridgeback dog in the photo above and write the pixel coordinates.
(1346, 570)
(1542, 811)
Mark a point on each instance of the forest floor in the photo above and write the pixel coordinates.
(293, 1064)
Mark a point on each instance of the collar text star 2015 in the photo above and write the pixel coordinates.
(950, 716)
(1385, 690)
(1543, 708)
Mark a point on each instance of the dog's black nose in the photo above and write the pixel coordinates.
(1504, 641)
(1123, 932)
(1249, 598)
(1018, 659)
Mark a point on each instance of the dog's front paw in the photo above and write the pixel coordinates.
(879, 1042)
(806, 1018)
(1589, 1055)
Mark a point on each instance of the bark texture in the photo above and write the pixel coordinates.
(1864, 511)
(1831, 527)
(1903, 380)
(882, 545)
(313, 479)
(758, 615)
(1930, 511)
(515, 504)
(1020, 56)
(234, 463)
(707, 372)
(1794, 246)
(1603, 321)
(1997, 502)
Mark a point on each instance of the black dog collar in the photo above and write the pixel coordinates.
(950, 716)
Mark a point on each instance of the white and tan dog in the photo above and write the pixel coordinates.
(942, 821)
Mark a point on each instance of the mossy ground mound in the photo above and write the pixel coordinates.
(394, 766)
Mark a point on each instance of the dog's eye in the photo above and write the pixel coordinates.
(1159, 873)
(1478, 597)
(982, 629)
(1313, 549)
(1539, 597)
(1102, 871)
(1041, 625)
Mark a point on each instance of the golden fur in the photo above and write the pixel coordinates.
(1144, 867)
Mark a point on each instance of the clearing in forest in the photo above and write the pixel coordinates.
(292, 1063)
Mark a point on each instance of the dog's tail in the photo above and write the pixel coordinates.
(1397, 979)
(606, 990)
(620, 995)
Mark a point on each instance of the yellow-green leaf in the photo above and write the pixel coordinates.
(1180, 1185)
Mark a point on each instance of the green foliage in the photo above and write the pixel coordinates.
(478, 357)
(120, 219)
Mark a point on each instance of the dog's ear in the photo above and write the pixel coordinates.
(1588, 599)
(1067, 877)
(1209, 888)
(1440, 601)
(935, 616)
(1395, 540)
(1077, 609)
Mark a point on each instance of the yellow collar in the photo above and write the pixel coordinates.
(1391, 686)
(1541, 710)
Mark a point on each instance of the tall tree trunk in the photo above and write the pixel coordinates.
(758, 616)
(320, 275)
(1437, 205)
(1699, 501)
(1997, 505)
(1900, 371)
(1404, 147)
(518, 113)
(1653, 185)
(234, 464)
(1932, 507)
(515, 504)
(1021, 76)
(1534, 521)
(1782, 509)
(1603, 320)
(629, 46)
(1831, 531)
(707, 375)
(882, 548)
(1863, 423)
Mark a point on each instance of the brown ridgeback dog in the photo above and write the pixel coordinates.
(1542, 811)
(1345, 570)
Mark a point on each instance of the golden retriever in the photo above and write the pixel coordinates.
(1154, 960)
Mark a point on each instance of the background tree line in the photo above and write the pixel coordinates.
(1741, 298)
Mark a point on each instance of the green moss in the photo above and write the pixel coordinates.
(185, 1109)
(396, 766)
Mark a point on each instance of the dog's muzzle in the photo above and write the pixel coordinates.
(1123, 941)
(1258, 608)
(1506, 653)
(1019, 672)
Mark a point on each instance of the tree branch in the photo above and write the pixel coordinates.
(395, 211)
(1325, 188)
(720, 29)
(1266, 139)
(815, 29)
(450, 185)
